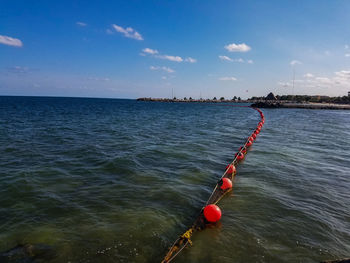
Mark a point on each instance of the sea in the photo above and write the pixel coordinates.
(115, 180)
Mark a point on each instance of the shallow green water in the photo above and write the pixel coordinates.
(118, 180)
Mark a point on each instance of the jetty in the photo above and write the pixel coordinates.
(302, 102)
(304, 105)
(190, 100)
(272, 101)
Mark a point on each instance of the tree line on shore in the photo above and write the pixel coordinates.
(235, 98)
(190, 99)
(307, 98)
(270, 97)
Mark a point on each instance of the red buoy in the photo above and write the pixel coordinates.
(243, 150)
(225, 183)
(240, 156)
(249, 143)
(254, 136)
(212, 213)
(230, 169)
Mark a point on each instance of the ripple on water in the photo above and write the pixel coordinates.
(118, 180)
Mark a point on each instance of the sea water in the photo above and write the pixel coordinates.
(108, 180)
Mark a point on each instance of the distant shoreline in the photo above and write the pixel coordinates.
(192, 100)
(261, 104)
(302, 105)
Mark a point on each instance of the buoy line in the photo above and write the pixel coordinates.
(211, 213)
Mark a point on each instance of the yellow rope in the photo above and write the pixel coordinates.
(188, 235)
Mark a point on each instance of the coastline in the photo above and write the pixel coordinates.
(191, 100)
(303, 105)
(272, 104)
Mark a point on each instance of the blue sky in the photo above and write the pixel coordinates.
(130, 49)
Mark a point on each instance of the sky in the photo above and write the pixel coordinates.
(206, 48)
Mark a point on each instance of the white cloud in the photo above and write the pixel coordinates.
(164, 77)
(340, 80)
(191, 60)
(226, 58)
(228, 78)
(295, 62)
(14, 42)
(240, 60)
(284, 84)
(81, 24)
(237, 47)
(346, 46)
(308, 75)
(347, 55)
(343, 73)
(150, 51)
(166, 69)
(169, 70)
(171, 58)
(99, 79)
(128, 32)
(323, 80)
(18, 69)
(155, 53)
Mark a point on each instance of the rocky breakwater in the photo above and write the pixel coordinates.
(303, 105)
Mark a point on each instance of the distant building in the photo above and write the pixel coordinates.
(270, 96)
(318, 97)
(348, 93)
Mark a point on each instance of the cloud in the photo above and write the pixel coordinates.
(81, 24)
(154, 53)
(191, 60)
(171, 58)
(323, 80)
(228, 78)
(237, 47)
(99, 79)
(166, 69)
(225, 58)
(14, 42)
(169, 70)
(346, 46)
(347, 55)
(128, 32)
(284, 84)
(308, 75)
(240, 60)
(295, 62)
(343, 74)
(150, 51)
(18, 69)
(340, 80)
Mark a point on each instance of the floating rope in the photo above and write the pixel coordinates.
(220, 190)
